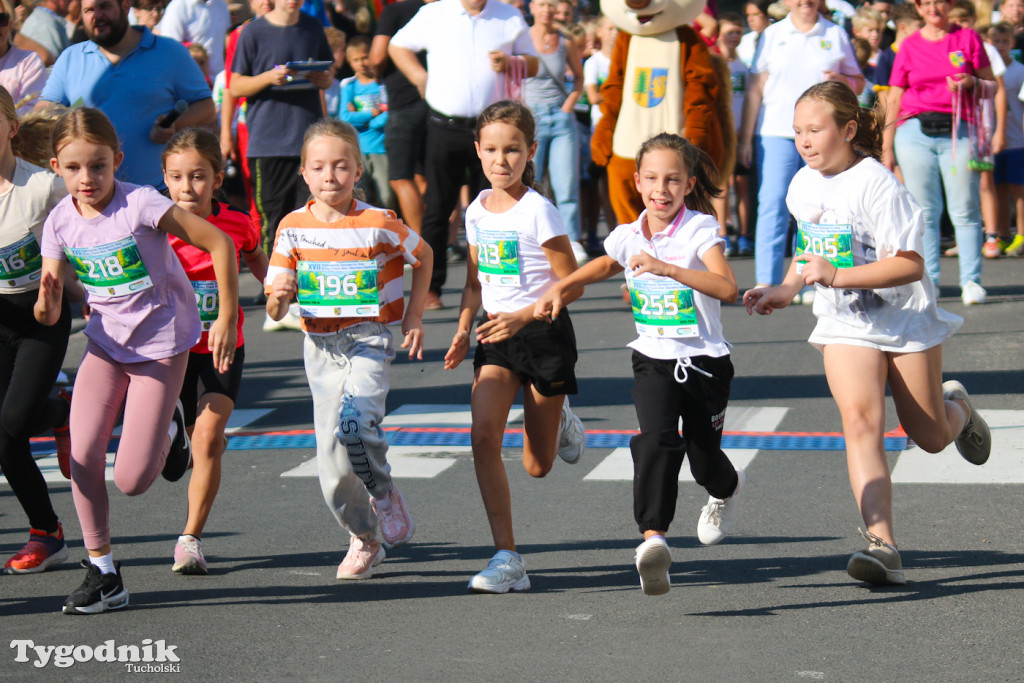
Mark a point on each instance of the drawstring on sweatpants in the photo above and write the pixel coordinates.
(682, 364)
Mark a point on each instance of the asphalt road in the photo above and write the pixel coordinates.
(773, 602)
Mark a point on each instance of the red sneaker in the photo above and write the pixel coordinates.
(40, 552)
(62, 435)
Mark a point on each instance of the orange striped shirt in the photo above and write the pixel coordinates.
(366, 233)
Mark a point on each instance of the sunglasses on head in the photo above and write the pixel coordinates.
(5, 19)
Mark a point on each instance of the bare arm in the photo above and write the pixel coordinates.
(570, 288)
(573, 57)
(51, 288)
(258, 263)
(717, 281)
(247, 86)
(405, 61)
(751, 108)
(200, 113)
(379, 54)
(26, 43)
(468, 307)
(893, 100)
(412, 323)
(202, 234)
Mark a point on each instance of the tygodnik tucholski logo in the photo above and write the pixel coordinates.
(150, 656)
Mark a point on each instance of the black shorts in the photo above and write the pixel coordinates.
(542, 354)
(741, 169)
(405, 141)
(202, 378)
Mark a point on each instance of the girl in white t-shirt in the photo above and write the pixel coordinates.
(677, 277)
(517, 249)
(860, 241)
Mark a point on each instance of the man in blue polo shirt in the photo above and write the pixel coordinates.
(135, 78)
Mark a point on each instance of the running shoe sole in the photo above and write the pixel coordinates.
(652, 565)
(867, 568)
(106, 604)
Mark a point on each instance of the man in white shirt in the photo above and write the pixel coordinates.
(469, 46)
(204, 22)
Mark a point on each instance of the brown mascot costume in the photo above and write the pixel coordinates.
(662, 79)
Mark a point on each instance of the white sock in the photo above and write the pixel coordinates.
(172, 431)
(105, 563)
(383, 503)
(655, 536)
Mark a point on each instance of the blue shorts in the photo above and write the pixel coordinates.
(1010, 167)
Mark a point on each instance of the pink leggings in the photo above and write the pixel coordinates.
(101, 388)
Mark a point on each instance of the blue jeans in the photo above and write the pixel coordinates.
(927, 166)
(779, 162)
(558, 150)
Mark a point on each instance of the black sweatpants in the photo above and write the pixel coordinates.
(451, 163)
(658, 450)
(31, 355)
(278, 189)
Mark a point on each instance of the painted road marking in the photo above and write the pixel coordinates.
(618, 466)
(1005, 465)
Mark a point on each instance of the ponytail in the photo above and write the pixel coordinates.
(867, 141)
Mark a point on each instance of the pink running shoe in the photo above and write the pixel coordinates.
(363, 555)
(395, 524)
(188, 556)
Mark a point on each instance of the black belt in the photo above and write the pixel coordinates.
(452, 121)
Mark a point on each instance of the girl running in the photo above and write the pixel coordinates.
(677, 275)
(193, 171)
(30, 354)
(139, 332)
(860, 234)
(518, 249)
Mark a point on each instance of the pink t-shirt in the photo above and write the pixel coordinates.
(922, 66)
(143, 307)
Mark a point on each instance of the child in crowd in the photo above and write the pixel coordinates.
(31, 354)
(860, 241)
(343, 259)
(677, 276)
(756, 14)
(862, 51)
(1009, 163)
(595, 73)
(337, 40)
(730, 32)
(907, 21)
(193, 171)
(868, 24)
(518, 248)
(143, 323)
(364, 104)
(988, 137)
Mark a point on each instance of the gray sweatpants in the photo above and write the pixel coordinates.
(348, 377)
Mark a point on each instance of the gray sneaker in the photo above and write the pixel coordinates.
(652, 562)
(879, 564)
(505, 572)
(573, 438)
(975, 440)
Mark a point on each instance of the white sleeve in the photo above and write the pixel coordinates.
(896, 218)
(849, 65)
(415, 35)
(615, 245)
(174, 23)
(590, 71)
(523, 44)
(548, 222)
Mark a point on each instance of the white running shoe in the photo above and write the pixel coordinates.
(652, 562)
(290, 321)
(718, 517)
(973, 294)
(579, 252)
(573, 438)
(975, 440)
(505, 572)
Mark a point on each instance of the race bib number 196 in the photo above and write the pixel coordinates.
(338, 289)
(663, 308)
(109, 270)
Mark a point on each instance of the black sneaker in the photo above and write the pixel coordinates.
(180, 455)
(98, 593)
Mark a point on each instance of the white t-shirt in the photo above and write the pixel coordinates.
(530, 223)
(884, 219)
(748, 45)
(595, 72)
(23, 210)
(739, 73)
(205, 22)
(681, 245)
(1014, 82)
(795, 61)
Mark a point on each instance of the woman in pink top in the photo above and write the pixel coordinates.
(939, 74)
(21, 72)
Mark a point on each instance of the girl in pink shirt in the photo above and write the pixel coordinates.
(143, 321)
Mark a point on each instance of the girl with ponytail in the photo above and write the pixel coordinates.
(860, 243)
(518, 249)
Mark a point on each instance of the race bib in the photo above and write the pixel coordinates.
(20, 263)
(498, 258)
(663, 308)
(338, 289)
(207, 300)
(831, 242)
(109, 270)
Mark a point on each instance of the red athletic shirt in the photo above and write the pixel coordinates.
(198, 264)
